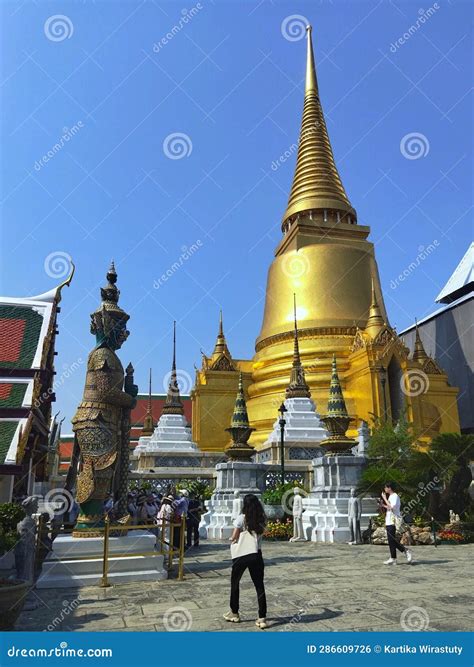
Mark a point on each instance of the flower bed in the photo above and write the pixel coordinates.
(278, 530)
(451, 537)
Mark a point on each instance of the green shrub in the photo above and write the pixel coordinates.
(10, 515)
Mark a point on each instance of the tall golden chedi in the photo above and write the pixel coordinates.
(325, 258)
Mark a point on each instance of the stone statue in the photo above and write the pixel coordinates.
(25, 548)
(364, 438)
(99, 420)
(298, 533)
(453, 518)
(237, 504)
(354, 513)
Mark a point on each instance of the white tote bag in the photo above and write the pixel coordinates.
(247, 544)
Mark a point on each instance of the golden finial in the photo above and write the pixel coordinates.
(419, 352)
(173, 404)
(316, 185)
(375, 320)
(298, 387)
(311, 84)
(148, 423)
(221, 358)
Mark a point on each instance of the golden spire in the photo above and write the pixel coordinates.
(298, 387)
(173, 404)
(316, 183)
(221, 358)
(148, 423)
(375, 321)
(419, 352)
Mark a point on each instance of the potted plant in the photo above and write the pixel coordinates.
(13, 594)
(273, 499)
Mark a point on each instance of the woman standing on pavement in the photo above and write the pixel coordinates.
(246, 549)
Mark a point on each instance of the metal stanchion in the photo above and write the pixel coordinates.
(171, 545)
(105, 564)
(181, 548)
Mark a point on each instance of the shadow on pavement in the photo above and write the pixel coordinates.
(305, 618)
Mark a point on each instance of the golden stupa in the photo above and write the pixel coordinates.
(325, 258)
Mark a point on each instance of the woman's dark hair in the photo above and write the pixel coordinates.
(255, 519)
(390, 485)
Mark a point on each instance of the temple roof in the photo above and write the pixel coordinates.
(461, 281)
(316, 183)
(27, 334)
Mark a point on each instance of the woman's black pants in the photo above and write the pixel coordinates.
(254, 563)
(392, 542)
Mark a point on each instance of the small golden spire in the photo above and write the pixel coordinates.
(173, 404)
(317, 185)
(298, 387)
(375, 320)
(220, 342)
(148, 423)
(419, 352)
(221, 358)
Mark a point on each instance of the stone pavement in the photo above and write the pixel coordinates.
(310, 587)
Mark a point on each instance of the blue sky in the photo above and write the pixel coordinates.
(231, 80)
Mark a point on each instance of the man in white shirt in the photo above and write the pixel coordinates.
(391, 502)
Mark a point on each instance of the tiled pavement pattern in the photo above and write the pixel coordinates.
(309, 588)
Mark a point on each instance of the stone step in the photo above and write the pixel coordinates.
(94, 579)
(65, 567)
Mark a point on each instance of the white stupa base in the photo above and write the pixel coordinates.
(325, 518)
(242, 476)
(78, 561)
(303, 433)
(172, 434)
